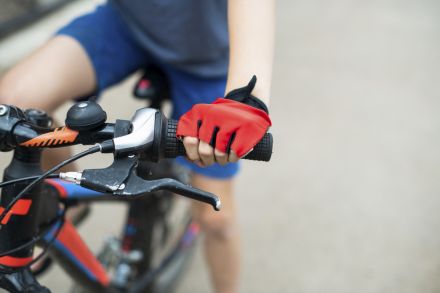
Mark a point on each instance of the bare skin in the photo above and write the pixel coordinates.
(51, 76)
(222, 241)
(251, 38)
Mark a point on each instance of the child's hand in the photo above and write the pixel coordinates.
(223, 131)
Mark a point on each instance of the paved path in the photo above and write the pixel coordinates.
(350, 202)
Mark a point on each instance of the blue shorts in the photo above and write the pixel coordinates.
(115, 54)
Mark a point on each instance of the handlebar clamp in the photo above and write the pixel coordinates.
(10, 116)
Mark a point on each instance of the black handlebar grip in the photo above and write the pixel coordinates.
(174, 147)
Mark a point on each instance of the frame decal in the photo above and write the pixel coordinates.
(20, 208)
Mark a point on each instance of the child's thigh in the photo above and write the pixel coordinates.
(56, 72)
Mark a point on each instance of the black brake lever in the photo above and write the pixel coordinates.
(136, 186)
(111, 178)
(120, 179)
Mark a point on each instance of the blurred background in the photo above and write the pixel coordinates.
(350, 201)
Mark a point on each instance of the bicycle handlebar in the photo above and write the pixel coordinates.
(149, 136)
(152, 135)
(174, 147)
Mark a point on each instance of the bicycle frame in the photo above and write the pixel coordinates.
(69, 248)
(73, 254)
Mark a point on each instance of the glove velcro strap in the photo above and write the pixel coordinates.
(243, 95)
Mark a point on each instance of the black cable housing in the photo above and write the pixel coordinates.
(24, 179)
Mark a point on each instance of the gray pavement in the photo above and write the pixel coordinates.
(349, 202)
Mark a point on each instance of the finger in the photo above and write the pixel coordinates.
(233, 157)
(221, 147)
(206, 153)
(242, 145)
(191, 145)
(224, 139)
(221, 157)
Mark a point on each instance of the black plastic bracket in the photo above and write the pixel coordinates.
(111, 178)
(10, 116)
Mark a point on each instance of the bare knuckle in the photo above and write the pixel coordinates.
(205, 149)
(205, 152)
(219, 154)
(190, 141)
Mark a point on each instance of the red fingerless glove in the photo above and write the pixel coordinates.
(226, 125)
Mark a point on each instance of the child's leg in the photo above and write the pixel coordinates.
(54, 74)
(222, 241)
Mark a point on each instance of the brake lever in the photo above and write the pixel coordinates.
(120, 179)
(108, 179)
(136, 186)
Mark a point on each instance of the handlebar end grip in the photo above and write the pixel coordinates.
(174, 147)
(263, 150)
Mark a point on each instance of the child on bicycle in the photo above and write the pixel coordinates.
(190, 41)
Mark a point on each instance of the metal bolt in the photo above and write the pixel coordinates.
(122, 186)
(82, 105)
(3, 110)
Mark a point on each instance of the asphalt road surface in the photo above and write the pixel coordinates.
(351, 199)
